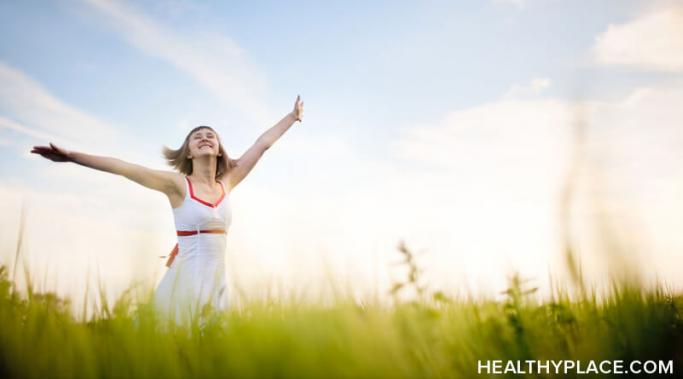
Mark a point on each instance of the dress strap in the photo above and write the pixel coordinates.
(188, 187)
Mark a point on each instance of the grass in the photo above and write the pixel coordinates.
(432, 336)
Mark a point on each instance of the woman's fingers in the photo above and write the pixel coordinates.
(44, 153)
(50, 152)
(298, 108)
(40, 149)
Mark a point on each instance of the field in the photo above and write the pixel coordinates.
(431, 336)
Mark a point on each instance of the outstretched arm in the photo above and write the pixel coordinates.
(248, 160)
(163, 181)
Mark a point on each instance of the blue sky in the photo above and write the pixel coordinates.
(390, 63)
(440, 122)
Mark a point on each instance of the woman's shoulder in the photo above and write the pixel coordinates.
(179, 177)
(179, 192)
(178, 180)
(225, 182)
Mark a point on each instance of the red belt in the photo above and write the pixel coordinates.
(185, 233)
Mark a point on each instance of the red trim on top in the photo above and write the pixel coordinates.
(202, 201)
(185, 233)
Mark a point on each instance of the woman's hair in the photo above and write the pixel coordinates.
(178, 158)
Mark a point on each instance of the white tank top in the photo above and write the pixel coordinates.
(198, 214)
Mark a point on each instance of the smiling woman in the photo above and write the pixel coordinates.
(199, 197)
(181, 158)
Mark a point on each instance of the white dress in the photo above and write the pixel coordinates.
(197, 276)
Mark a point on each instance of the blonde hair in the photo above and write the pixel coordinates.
(177, 158)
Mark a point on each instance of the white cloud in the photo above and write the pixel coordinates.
(213, 60)
(35, 112)
(533, 88)
(519, 4)
(16, 127)
(30, 114)
(491, 175)
(494, 173)
(653, 41)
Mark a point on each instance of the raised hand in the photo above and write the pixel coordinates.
(298, 111)
(53, 153)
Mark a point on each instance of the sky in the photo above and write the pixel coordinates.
(448, 125)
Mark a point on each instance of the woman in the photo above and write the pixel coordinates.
(199, 195)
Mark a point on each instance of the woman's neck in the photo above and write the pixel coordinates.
(204, 170)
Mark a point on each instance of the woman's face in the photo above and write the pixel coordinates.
(203, 142)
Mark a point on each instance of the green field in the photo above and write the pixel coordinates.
(432, 336)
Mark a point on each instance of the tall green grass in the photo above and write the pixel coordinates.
(432, 336)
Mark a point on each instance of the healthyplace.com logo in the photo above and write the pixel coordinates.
(574, 367)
